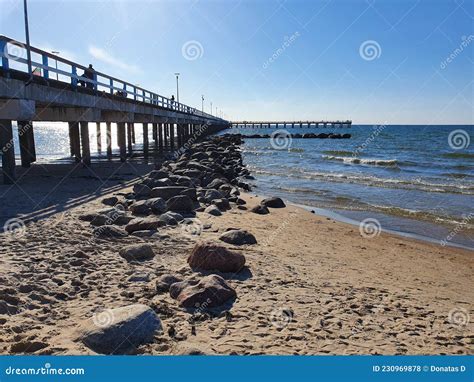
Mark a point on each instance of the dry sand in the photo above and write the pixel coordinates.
(313, 285)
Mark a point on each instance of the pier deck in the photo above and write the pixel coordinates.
(54, 93)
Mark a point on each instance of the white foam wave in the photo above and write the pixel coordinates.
(366, 161)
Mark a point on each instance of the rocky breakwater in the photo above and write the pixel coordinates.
(206, 179)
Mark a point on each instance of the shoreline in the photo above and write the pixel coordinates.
(311, 285)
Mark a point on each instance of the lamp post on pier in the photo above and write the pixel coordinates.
(211, 108)
(202, 102)
(27, 33)
(177, 86)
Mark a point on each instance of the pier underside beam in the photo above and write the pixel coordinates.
(8, 152)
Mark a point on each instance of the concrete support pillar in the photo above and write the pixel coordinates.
(179, 134)
(75, 141)
(165, 134)
(133, 133)
(172, 135)
(108, 139)
(160, 135)
(99, 137)
(145, 139)
(129, 138)
(27, 144)
(122, 141)
(154, 131)
(7, 150)
(86, 149)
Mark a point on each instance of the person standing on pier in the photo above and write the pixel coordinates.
(89, 73)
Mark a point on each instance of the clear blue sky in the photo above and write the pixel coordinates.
(321, 73)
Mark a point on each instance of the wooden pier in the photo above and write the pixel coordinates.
(290, 124)
(104, 100)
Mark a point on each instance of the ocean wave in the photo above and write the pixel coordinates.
(366, 161)
(373, 181)
(459, 155)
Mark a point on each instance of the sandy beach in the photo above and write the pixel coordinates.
(310, 285)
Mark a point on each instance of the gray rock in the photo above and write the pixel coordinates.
(238, 237)
(168, 219)
(120, 330)
(158, 174)
(213, 210)
(211, 194)
(141, 189)
(157, 205)
(261, 210)
(273, 203)
(109, 231)
(191, 192)
(167, 192)
(137, 252)
(140, 207)
(140, 278)
(144, 233)
(222, 204)
(180, 203)
(111, 201)
(144, 224)
(164, 282)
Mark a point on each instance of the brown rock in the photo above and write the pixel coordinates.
(212, 256)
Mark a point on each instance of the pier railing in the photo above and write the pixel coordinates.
(14, 56)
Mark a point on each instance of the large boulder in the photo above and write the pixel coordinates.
(182, 203)
(215, 257)
(137, 252)
(167, 192)
(120, 330)
(144, 224)
(273, 203)
(211, 291)
(238, 237)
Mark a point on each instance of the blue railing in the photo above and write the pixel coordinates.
(13, 53)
